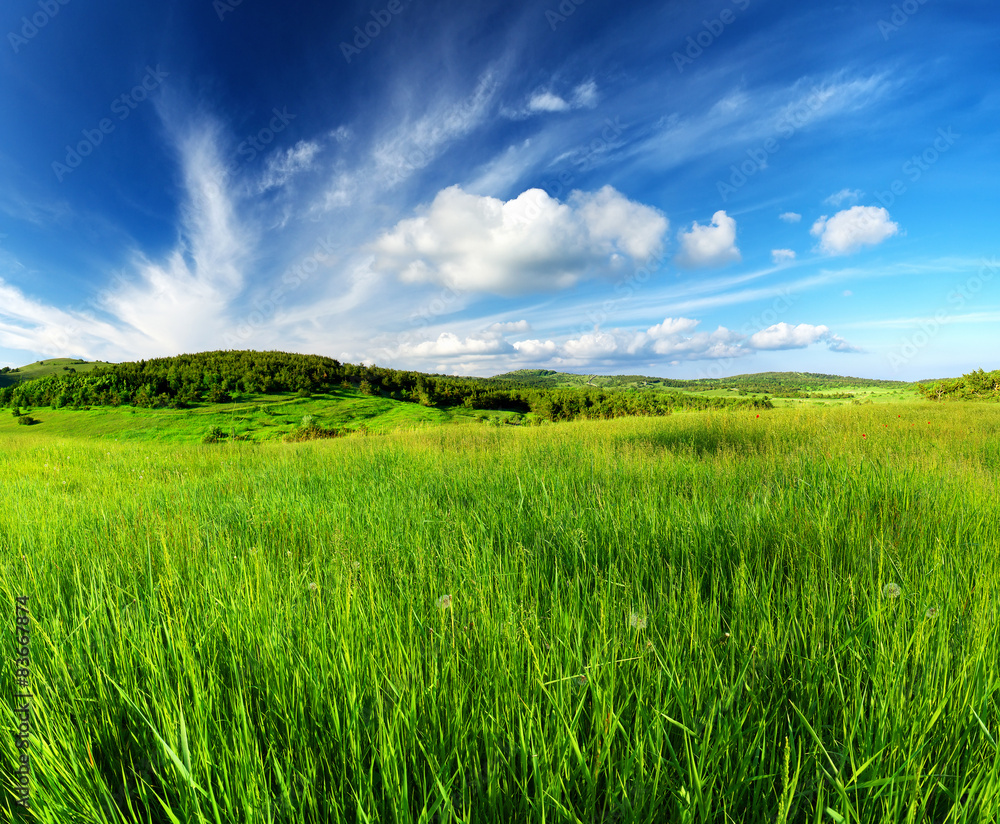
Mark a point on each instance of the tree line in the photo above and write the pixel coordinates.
(227, 376)
(977, 385)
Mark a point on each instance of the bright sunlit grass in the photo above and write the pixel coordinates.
(707, 617)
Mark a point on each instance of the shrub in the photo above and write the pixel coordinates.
(214, 435)
(27, 420)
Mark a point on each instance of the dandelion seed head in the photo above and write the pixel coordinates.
(932, 612)
(444, 602)
(891, 590)
(313, 586)
(637, 621)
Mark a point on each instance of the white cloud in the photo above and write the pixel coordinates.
(530, 243)
(673, 340)
(414, 144)
(786, 336)
(583, 96)
(844, 195)
(536, 349)
(448, 344)
(178, 303)
(510, 326)
(849, 230)
(710, 245)
(790, 217)
(282, 166)
(545, 101)
(782, 255)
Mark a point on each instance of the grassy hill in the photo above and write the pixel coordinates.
(259, 419)
(50, 366)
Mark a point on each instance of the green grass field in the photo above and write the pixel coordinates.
(259, 419)
(708, 617)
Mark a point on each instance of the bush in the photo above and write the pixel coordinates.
(214, 435)
(27, 420)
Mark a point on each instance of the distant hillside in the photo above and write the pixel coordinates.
(563, 380)
(771, 383)
(51, 366)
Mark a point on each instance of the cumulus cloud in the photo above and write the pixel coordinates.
(843, 196)
(782, 255)
(448, 344)
(790, 217)
(786, 336)
(530, 243)
(536, 349)
(850, 229)
(673, 340)
(710, 245)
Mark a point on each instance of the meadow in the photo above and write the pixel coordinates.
(720, 616)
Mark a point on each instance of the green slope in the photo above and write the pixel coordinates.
(50, 366)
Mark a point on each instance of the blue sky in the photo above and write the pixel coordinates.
(682, 189)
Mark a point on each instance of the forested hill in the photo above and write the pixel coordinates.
(771, 383)
(225, 376)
